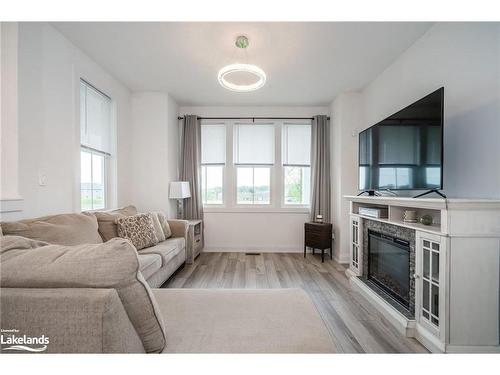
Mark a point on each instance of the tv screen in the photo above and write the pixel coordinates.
(405, 151)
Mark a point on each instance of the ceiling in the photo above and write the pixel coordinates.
(306, 63)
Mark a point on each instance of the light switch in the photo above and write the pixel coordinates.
(42, 179)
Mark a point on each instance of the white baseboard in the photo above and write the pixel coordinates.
(261, 249)
(341, 259)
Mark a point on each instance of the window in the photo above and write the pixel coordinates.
(213, 160)
(253, 158)
(253, 185)
(296, 151)
(93, 186)
(263, 165)
(95, 150)
(433, 176)
(395, 178)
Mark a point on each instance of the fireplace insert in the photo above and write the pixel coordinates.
(389, 265)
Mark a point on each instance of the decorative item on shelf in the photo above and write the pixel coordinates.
(319, 219)
(179, 190)
(410, 216)
(426, 220)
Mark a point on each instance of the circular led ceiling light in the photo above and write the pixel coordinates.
(242, 77)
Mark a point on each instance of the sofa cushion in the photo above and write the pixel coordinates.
(19, 243)
(149, 264)
(139, 229)
(63, 229)
(166, 249)
(113, 264)
(157, 225)
(106, 220)
(164, 225)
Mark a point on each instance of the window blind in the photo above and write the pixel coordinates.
(213, 144)
(296, 145)
(95, 119)
(254, 144)
(397, 145)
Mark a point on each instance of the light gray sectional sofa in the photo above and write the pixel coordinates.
(97, 297)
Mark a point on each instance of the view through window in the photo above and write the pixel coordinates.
(248, 178)
(95, 150)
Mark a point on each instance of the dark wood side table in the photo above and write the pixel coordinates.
(318, 236)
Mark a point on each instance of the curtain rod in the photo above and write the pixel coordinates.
(252, 118)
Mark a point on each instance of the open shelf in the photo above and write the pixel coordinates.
(396, 213)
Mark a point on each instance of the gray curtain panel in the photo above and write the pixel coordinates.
(320, 168)
(191, 166)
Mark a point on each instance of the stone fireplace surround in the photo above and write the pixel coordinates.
(406, 234)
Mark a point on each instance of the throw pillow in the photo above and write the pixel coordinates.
(158, 230)
(164, 225)
(139, 229)
(112, 265)
(107, 221)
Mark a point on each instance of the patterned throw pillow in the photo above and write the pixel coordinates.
(139, 229)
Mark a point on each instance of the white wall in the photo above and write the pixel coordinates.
(465, 59)
(9, 154)
(235, 230)
(154, 150)
(346, 117)
(49, 69)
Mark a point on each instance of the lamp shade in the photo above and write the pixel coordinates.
(179, 190)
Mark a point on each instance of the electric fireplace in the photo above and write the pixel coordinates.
(389, 265)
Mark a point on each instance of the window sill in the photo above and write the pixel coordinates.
(258, 210)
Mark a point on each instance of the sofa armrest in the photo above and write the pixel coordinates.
(75, 320)
(179, 228)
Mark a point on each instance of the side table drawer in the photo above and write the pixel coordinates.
(317, 240)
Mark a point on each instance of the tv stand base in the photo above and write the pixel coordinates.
(430, 192)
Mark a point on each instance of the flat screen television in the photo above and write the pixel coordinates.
(405, 151)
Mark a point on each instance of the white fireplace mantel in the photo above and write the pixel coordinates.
(457, 302)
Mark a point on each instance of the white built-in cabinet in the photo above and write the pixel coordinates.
(457, 270)
(430, 283)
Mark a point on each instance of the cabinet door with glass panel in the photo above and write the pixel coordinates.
(430, 301)
(356, 246)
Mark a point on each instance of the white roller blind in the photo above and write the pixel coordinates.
(254, 144)
(95, 118)
(213, 144)
(296, 144)
(398, 144)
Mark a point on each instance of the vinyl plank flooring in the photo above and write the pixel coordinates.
(354, 325)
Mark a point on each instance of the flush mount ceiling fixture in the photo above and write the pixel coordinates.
(242, 77)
